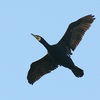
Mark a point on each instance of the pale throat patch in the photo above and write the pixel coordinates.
(38, 38)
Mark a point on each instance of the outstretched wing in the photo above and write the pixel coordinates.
(39, 68)
(75, 32)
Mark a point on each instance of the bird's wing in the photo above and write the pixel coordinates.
(39, 68)
(75, 32)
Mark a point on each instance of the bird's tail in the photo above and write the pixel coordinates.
(77, 71)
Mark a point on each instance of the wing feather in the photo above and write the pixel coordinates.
(40, 68)
(75, 32)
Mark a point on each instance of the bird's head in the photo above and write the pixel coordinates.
(39, 38)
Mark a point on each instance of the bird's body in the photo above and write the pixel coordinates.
(59, 54)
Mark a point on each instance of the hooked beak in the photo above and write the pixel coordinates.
(36, 36)
(33, 35)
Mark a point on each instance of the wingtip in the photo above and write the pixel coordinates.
(93, 16)
(29, 78)
(31, 83)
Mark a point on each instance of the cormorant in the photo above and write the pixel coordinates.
(59, 54)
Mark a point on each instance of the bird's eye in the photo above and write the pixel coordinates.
(38, 38)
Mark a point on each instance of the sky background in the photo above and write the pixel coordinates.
(18, 49)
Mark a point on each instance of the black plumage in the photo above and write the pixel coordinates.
(59, 54)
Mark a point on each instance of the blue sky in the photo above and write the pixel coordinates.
(18, 49)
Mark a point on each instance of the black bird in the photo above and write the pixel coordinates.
(59, 54)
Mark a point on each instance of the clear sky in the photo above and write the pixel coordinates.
(18, 49)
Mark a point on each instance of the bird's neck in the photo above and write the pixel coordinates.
(46, 45)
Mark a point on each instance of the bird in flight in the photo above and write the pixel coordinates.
(60, 53)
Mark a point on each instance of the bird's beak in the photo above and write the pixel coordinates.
(37, 37)
(33, 35)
